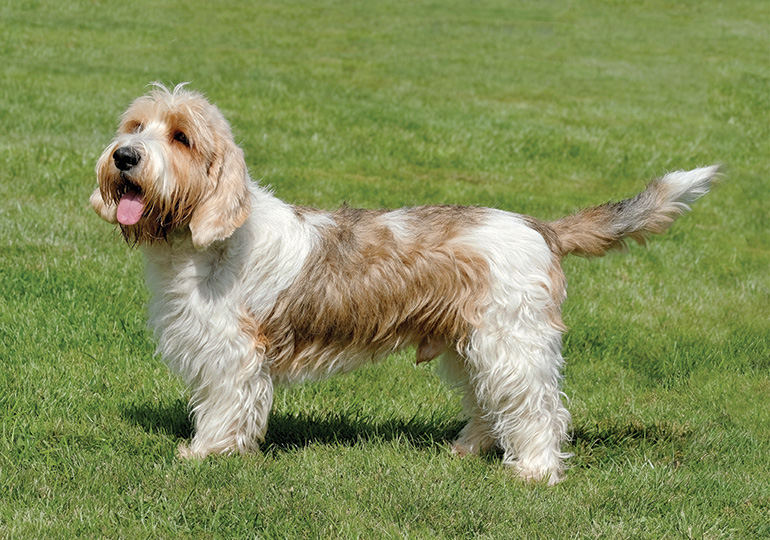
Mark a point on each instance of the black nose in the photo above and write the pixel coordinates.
(126, 157)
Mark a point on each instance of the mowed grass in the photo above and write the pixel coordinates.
(537, 107)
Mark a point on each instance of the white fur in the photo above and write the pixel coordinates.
(685, 187)
(197, 299)
(514, 359)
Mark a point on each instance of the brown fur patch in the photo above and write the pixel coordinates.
(544, 230)
(367, 292)
(250, 327)
(590, 233)
(594, 231)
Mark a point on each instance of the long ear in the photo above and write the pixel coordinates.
(107, 211)
(228, 204)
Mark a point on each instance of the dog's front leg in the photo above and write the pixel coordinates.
(230, 406)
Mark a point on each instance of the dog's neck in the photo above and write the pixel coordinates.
(259, 260)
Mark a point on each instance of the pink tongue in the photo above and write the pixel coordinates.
(130, 208)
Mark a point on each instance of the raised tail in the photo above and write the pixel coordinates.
(594, 231)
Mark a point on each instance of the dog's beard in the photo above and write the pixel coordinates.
(152, 227)
(147, 221)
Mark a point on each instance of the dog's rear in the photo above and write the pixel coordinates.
(594, 231)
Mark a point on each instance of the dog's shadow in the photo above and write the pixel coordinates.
(169, 419)
(597, 443)
(591, 443)
(291, 431)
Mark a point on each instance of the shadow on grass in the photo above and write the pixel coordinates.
(287, 431)
(592, 443)
(298, 430)
(617, 434)
(170, 419)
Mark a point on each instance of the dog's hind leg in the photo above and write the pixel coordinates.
(514, 373)
(476, 436)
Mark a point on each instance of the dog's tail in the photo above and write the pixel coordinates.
(594, 231)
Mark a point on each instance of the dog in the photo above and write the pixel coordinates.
(248, 291)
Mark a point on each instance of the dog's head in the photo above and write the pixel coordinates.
(173, 165)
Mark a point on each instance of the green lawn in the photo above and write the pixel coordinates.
(540, 108)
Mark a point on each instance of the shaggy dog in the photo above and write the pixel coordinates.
(249, 291)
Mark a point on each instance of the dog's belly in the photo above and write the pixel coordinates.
(317, 359)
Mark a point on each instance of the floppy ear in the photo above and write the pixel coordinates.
(227, 205)
(107, 211)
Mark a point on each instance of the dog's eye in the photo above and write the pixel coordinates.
(135, 127)
(181, 138)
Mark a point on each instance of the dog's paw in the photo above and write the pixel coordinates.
(187, 452)
(460, 449)
(473, 444)
(536, 475)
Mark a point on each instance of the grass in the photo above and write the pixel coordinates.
(540, 108)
